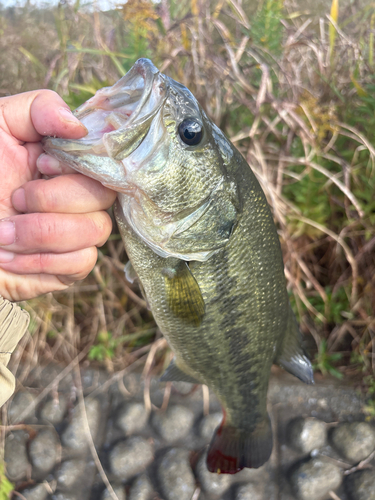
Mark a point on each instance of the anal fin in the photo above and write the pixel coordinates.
(174, 374)
(292, 356)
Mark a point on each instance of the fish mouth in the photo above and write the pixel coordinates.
(117, 118)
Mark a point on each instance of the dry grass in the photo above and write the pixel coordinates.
(289, 103)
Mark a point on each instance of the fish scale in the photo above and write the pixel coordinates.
(201, 239)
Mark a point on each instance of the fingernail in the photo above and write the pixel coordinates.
(6, 256)
(19, 200)
(7, 232)
(48, 165)
(68, 116)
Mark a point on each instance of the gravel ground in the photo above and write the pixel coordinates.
(320, 437)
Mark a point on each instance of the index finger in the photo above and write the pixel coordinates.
(31, 115)
(72, 193)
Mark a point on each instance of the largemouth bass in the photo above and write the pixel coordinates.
(201, 240)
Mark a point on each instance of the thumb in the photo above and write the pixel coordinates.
(31, 115)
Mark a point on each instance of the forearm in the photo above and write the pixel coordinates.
(13, 325)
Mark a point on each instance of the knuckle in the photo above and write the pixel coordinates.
(44, 230)
(47, 198)
(43, 262)
(44, 197)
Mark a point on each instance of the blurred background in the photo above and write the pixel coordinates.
(292, 84)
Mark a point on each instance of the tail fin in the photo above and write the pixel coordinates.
(232, 449)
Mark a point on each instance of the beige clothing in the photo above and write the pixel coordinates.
(13, 325)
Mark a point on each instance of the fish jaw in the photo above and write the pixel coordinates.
(117, 119)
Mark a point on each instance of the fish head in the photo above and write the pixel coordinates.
(150, 140)
(117, 119)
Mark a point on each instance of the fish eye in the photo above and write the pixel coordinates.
(190, 132)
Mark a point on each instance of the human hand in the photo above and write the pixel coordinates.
(49, 229)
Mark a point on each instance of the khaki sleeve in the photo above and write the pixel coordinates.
(13, 325)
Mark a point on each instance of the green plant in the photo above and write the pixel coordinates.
(140, 17)
(6, 487)
(266, 28)
(336, 308)
(370, 383)
(324, 360)
(105, 347)
(312, 198)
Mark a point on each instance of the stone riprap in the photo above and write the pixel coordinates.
(355, 441)
(315, 478)
(320, 436)
(307, 434)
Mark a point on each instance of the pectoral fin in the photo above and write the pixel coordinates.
(174, 374)
(130, 273)
(292, 356)
(183, 294)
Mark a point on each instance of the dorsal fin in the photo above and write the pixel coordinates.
(292, 356)
(174, 374)
(183, 294)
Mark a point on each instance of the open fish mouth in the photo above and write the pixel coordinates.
(118, 117)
